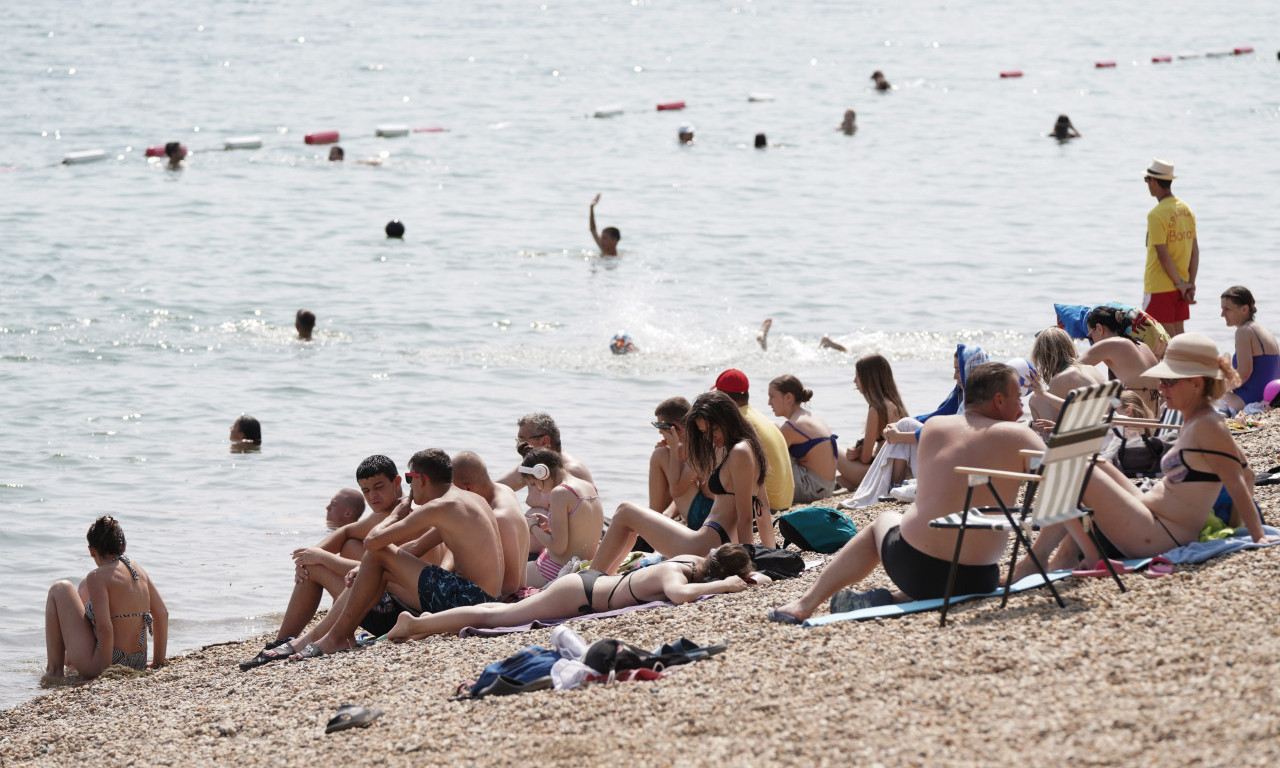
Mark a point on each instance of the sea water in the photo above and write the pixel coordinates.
(143, 309)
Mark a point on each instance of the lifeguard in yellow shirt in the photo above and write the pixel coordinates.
(1173, 254)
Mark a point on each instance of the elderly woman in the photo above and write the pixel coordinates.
(106, 619)
(813, 462)
(1201, 462)
(1257, 356)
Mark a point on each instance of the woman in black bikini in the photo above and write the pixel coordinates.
(727, 569)
(725, 454)
(1203, 460)
(127, 606)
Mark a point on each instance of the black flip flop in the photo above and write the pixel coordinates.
(267, 655)
(352, 716)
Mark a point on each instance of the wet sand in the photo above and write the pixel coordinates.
(1180, 670)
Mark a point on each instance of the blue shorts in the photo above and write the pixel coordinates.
(440, 590)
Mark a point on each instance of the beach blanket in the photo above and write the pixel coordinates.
(544, 623)
(1199, 551)
(916, 606)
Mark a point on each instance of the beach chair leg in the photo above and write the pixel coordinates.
(955, 559)
(1040, 568)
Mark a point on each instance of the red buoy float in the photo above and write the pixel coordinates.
(1104, 65)
(1163, 58)
(1243, 49)
(1011, 73)
(322, 137)
(431, 129)
(671, 105)
(159, 151)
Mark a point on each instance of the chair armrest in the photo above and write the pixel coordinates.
(997, 473)
(1126, 421)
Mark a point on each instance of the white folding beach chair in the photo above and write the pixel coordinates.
(1055, 495)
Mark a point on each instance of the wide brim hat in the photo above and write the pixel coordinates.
(1187, 356)
(1161, 169)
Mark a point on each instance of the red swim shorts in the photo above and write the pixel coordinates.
(1167, 307)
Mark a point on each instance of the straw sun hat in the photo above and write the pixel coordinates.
(1187, 356)
(1161, 169)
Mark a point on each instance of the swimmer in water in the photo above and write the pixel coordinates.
(304, 322)
(1064, 130)
(826, 342)
(685, 134)
(761, 141)
(881, 83)
(849, 125)
(395, 230)
(336, 155)
(607, 241)
(176, 153)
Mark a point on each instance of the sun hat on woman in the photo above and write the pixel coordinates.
(1188, 355)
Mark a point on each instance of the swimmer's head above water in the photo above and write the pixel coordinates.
(395, 229)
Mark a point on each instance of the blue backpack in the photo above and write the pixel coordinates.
(816, 529)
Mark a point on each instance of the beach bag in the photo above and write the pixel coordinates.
(816, 529)
(775, 563)
(1140, 455)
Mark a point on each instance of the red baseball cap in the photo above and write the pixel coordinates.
(732, 382)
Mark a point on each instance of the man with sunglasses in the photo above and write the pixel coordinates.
(437, 512)
(539, 430)
(1173, 253)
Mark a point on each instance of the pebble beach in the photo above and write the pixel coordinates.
(1178, 670)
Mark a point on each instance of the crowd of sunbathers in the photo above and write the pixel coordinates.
(458, 548)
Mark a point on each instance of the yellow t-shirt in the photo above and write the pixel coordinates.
(1171, 224)
(778, 482)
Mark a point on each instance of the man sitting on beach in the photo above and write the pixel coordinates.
(778, 482)
(539, 430)
(323, 567)
(444, 513)
(346, 507)
(917, 558)
(471, 474)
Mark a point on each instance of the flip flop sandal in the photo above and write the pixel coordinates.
(351, 716)
(267, 655)
(1100, 570)
(1159, 566)
(312, 651)
(782, 618)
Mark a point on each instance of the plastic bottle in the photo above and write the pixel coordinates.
(568, 644)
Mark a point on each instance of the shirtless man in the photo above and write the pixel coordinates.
(916, 557)
(322, 568)
(471, 474)
(1126, 358)
(346, 506)
(608, 240)
(444, 513)
(539, 430)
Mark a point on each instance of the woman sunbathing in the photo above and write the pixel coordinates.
(727, 569)
(106, 620)
(1203, 460)
(726, 455)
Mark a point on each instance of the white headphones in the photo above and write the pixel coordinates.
(539, 471)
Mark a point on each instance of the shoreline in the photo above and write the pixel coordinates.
(1180, 665)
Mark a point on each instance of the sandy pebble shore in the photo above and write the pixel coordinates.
(1183, 670)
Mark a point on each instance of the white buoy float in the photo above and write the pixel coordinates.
(392, 131)
(613, 110)
(87, 156)
(243, 142)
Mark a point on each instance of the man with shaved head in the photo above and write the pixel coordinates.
(471, 474)
(346, 506)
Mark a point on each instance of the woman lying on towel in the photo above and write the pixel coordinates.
(726, 456)
(1203, 460)
(727, 569)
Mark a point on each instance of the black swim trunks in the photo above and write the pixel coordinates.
(382, 617)
(924, 577)
(440, 590)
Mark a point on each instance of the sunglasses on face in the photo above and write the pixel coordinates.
(410, 475)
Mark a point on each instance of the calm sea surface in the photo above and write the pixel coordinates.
(142, 310)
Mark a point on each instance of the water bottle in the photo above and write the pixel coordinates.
(567, 643)
(653, 558)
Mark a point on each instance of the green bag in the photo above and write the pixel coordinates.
(816, 529)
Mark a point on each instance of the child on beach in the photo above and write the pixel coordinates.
(106, 619)
(571, 528)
